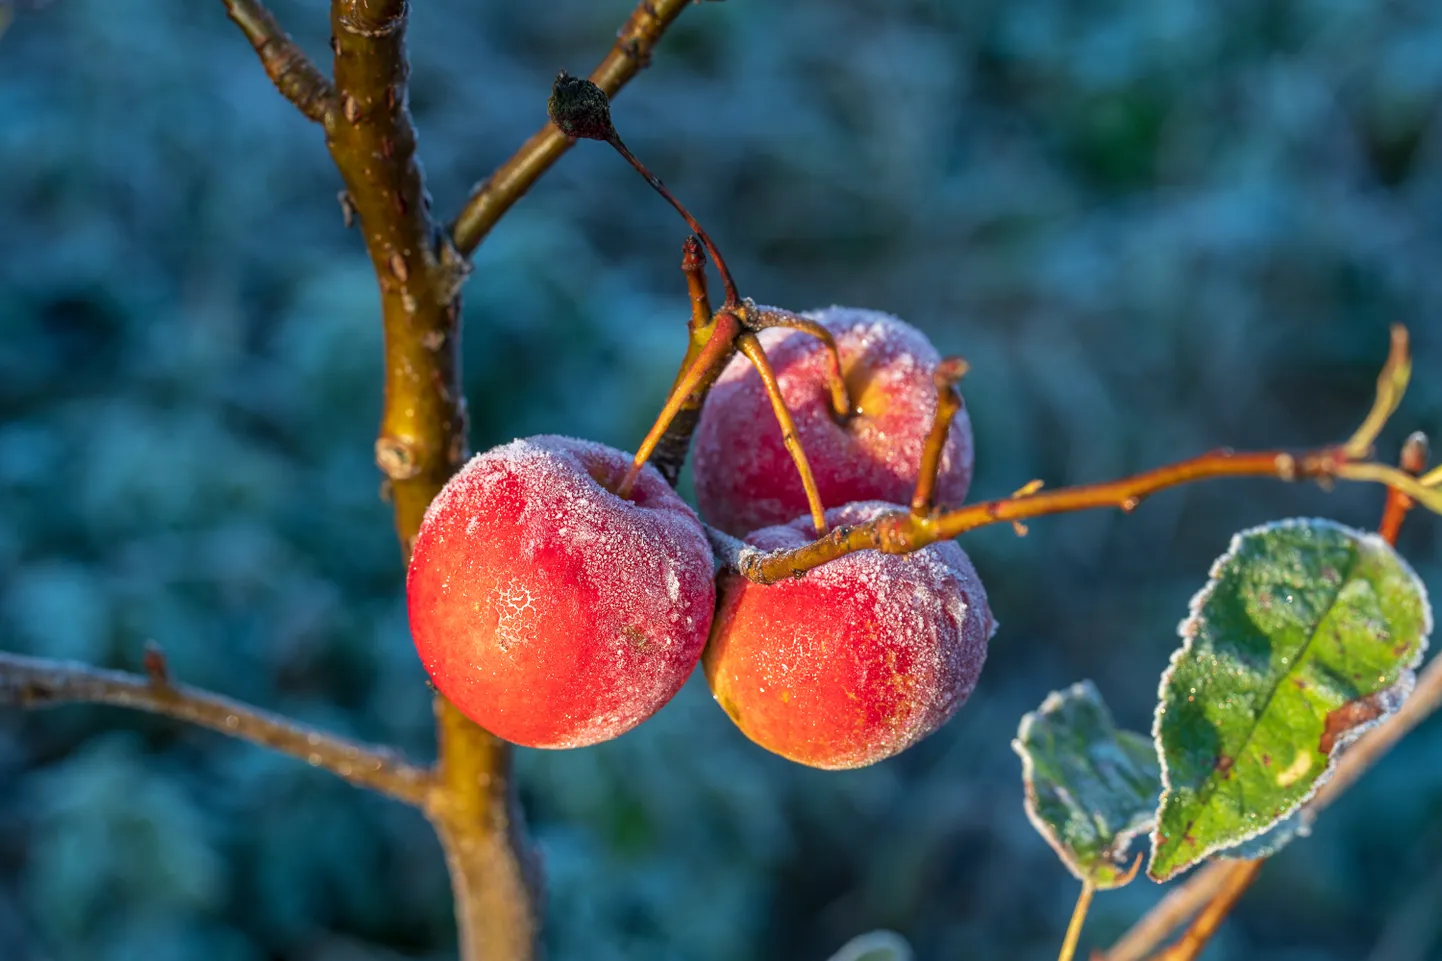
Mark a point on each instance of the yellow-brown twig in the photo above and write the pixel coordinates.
(1238, 878)
(294, 74)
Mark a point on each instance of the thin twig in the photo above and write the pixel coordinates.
(900, 532)
(294, 74)
(30, 682)
(1170, 913)
(493, 197)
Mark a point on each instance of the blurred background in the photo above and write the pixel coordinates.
(1153, 226)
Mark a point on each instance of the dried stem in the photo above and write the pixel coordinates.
(422, 441)
(1078, 919)
(492, 198)
(29, 682)
(948, 402)
(297, 78)
(728, 283)
(751, 347)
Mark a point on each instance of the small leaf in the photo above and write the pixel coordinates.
(1303, 638)
(1090, 788)
(876, 946)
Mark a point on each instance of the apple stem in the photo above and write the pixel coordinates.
(707, 363)
(948, 402)
(763, 317)
(750, 345)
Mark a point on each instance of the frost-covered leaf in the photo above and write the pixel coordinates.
(1090, 788)
(1303, 638)
(1271, 841)
(875, 946)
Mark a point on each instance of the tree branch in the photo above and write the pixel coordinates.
(29, 682)
(294, 75)
(490, 199)
(422, 441)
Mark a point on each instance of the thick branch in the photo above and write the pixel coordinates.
(29, 682)
(422, 441)
(294, 75)
(492, 198)
(1235, 882)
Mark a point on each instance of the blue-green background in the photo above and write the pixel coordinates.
(1153, 226)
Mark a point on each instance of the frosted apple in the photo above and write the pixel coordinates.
(856, 660)
(745, 478)
(547, 609)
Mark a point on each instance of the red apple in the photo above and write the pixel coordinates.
(745, 478)
(854, 661)
(547, 609)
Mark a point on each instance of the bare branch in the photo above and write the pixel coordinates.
(493, 197)
(1170, 913)
(29, 682)
(1234, 883)
(294, 75)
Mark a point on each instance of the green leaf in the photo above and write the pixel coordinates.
(1090, 788)
(876, 946)
(1269, 842)
(1304, 637)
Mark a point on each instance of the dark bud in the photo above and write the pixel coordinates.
(580, 108)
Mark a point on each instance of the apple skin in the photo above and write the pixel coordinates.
(547, 609)
(745, 478)
(854, 661)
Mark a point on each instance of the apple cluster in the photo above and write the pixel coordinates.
(557, 613)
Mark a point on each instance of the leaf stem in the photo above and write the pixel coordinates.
(1078, 919)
